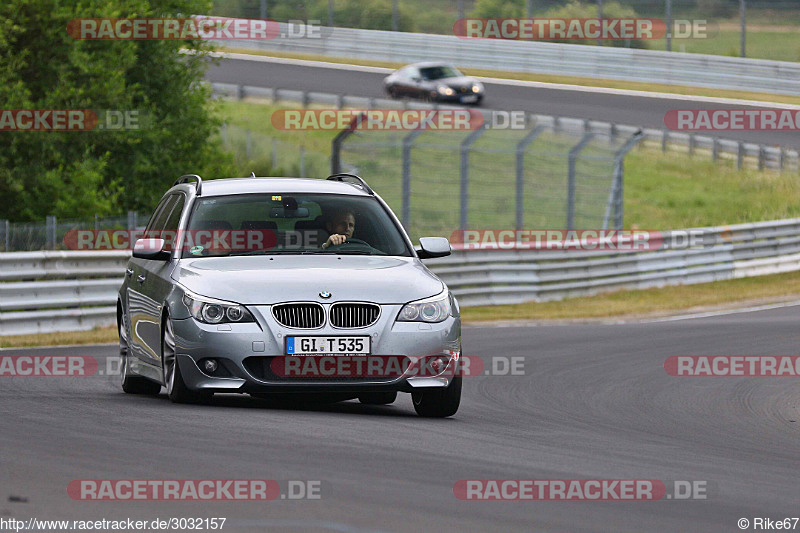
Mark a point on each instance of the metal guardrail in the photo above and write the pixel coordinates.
(743, 154)
(43, 292)
(758, 75)
(33, 301)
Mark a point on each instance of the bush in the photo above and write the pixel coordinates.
(80, 174)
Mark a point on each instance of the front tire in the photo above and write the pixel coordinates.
(177, 390)
(131, 383)
(438, 403)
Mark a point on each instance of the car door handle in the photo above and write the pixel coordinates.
(141, 279)
(129, 272)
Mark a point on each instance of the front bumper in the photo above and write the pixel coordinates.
(244, 353)
(459, 97)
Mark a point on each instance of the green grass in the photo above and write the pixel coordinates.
(669, 191)
(780, 45)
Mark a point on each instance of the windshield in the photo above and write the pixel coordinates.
(287, 223)
(440, 72)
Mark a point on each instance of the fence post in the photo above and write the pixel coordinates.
(615, 197)
(692, 142)
(520, 214)
(339, 101)
(781, 156)
(304, 98)
(714, 149)
(464, 203)
(5, 234)
(7, 226)
(132, 220)
(50, 232)
(739, 155)
(664, 140)
(302, 161)
(408, 141)
(248, 148)
(762, 157)
(573, 155)
(240, 91)
(336, 143)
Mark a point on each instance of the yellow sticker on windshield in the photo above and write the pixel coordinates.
(278, 198)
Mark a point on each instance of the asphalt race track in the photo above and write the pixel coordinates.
(636, 111)
(594, 403)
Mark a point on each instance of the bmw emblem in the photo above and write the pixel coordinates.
(325, 295)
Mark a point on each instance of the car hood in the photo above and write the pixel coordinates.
(263, 280)
(457, 83)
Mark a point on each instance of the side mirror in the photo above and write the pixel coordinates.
(150, 249)
(431, 247)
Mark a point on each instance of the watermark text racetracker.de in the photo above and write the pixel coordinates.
(579, 489)
(209, 28)
(579, 239)
(71, 120)
(558, 29)
(733, 365)
(194, 489)
(732, 119)
(48, 366)
(442, 119)
(395, 366)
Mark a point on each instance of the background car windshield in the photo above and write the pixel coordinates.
(440, 72)
(288, 223)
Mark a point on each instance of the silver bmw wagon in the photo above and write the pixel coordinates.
(291, 289)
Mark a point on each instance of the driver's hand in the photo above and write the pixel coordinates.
(334, 239)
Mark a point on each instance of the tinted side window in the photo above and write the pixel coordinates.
(159, 220)
(171, 226)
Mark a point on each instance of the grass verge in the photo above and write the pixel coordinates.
(93, 336)
(548, 78)
(649, 302)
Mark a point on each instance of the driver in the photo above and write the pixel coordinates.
(341, 226)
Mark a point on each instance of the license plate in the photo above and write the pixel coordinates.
(327, 345)
(469, 99)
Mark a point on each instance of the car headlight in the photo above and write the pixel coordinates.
(444, 89)
(435, 309)
(477, 88)
(210, 311)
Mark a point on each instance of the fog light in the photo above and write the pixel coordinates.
(210, 366)
(438, 364)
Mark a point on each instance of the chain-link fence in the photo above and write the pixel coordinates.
(553, 174)
(53, 233)
(270, 156)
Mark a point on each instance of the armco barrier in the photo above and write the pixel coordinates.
(63, 291)
(699, 70)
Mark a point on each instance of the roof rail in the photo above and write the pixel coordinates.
(198, 187)
(353, 179)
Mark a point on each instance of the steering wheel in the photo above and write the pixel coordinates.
(352, 241)
(358, 243)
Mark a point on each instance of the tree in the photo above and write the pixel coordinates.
(79, 174)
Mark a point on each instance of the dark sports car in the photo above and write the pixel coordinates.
(434, 82)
